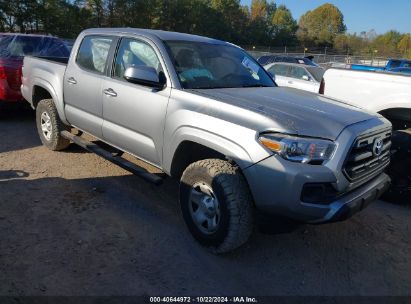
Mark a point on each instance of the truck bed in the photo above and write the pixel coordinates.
(45, 73)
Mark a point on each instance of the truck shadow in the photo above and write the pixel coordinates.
(120, 235)
(17, 129)
(12, 174)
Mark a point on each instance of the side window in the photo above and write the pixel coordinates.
(93, 53)
(279, 69)
(134, 52)
(395, 64)
(298, 73)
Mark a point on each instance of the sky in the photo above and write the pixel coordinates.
(360, 15)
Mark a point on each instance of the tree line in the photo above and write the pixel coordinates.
(263, 23)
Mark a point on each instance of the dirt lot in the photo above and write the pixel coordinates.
(73, 224)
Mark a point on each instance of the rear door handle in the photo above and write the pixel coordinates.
(72, 80)
(290, 82)
(110, 92)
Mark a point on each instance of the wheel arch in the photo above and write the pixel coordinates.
(44, 90)
(192, 148)
(400, 117)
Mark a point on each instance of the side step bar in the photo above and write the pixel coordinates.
(118, 160)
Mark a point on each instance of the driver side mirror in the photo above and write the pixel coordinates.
(306, 78)
(146, 76)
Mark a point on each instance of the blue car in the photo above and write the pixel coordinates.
(401, 70)
(392, 64)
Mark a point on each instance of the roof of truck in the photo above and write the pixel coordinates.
(162, 35)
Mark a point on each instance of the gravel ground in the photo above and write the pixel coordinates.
(71, 223)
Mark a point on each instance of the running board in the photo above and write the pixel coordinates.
(118, 160)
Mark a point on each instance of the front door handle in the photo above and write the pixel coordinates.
(110, 92)
(72, 80)
(290, 82)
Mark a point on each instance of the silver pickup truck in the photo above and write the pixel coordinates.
(206, 112)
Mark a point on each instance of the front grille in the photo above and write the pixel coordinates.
(362, 161)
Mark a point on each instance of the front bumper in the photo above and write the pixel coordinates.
(276, 185)
(357, 200)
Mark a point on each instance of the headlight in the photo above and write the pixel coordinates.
(298, 149)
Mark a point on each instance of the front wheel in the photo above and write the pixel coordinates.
(49, 126)
(216, 204)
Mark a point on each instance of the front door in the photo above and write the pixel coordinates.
(134, 115)
(300, 79)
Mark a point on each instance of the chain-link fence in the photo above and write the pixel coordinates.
(322, 56)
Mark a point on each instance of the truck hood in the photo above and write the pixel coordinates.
(300, 112)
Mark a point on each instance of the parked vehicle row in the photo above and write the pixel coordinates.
(392, 65)
(206, 112)
(13, 47)
(378, 91)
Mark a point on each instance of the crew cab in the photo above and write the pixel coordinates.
(205, 112)
(13, 47)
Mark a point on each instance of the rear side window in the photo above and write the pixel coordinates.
(278, 69)
(395, 64)
(93, 53)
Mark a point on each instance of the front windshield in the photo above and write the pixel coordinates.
(201, 65)
(21, 45)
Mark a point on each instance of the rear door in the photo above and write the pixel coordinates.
(134, 114)
(82, 84)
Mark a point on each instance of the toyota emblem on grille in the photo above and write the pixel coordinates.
(377, 147)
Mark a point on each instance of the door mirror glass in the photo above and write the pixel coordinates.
(145, 75)
(306, 77)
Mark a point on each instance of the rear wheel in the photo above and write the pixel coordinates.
(216, 204)
(49, 126)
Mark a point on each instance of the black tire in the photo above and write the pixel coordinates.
(236, 208)
(400, 168)
(55, 141)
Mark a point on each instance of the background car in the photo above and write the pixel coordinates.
(13, 48)
(298, 76)
(264, 60)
